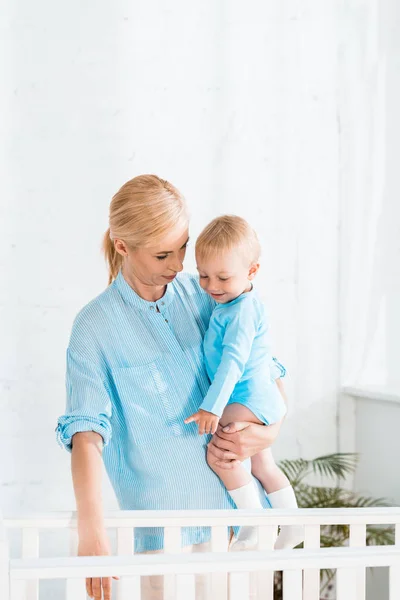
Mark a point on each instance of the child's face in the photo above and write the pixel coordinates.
(226, 276)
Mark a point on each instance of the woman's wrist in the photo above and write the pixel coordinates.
(90, 523)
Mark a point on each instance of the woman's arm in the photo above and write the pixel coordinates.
(238, 441)
(86, 465)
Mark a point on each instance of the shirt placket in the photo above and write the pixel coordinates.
(160, 317)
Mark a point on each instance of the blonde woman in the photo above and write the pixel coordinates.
(135, 370)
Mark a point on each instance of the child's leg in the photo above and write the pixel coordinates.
(265, 469)
(238, 481)
(280, 494)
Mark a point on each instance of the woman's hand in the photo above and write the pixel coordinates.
(237, 441)
(96, 543)
(207, 422)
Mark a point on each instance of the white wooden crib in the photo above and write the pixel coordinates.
(230, 572)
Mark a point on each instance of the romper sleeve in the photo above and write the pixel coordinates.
(277, 369)
(236, 347)
(88, 402)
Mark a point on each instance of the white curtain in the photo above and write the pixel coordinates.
(369, 86)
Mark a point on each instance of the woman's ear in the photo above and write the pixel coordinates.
(120, 247)
(253, 271)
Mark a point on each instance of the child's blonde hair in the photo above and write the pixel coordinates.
(141, 213)
(228, 232)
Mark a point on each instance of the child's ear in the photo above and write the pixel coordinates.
(253, 271)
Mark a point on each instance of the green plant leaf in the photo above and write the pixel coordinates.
(380, 536)
(295, 470)
(335, 465)
(332, 465)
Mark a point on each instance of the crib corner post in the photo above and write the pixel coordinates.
(4, 563)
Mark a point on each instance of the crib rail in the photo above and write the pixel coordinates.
(19, 578)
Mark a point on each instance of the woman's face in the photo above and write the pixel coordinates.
(156, 265)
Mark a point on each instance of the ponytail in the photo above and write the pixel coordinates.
(113, 259)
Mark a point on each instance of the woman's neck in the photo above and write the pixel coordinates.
(151, 293)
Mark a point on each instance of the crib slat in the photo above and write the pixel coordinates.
(30, 549)
(172, 545)
(73, 541)
(358, 539)
(394, 571)
(239, 586)
(311, 577)
(185, 587)
(128, 588)
(32, 590)
(266, 537)
(125, 541)
(394, 582)
(18, 589)
(346, 584)
(172, 540)
(75, 589)
(30, 543)
(219, 539)
(293, 585)
(219, 581)
(264, 580)
(4, 565)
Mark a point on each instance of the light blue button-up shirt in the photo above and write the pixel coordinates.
(133, 375)
(237, 351)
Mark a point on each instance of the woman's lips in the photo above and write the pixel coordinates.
(169, 278)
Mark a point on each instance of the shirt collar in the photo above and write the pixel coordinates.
(132, 298)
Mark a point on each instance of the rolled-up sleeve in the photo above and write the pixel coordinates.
(88, 402)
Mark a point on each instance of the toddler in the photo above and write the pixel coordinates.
(237, 356)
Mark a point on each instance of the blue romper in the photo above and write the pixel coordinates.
(238, 360)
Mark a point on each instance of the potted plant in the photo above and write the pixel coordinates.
(334, 467)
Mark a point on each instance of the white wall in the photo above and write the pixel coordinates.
(237, 107)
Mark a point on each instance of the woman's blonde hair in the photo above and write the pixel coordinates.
(141, 213)
(228, 232)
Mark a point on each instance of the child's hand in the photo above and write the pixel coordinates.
(207, 422)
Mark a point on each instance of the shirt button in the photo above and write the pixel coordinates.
(166, 320)
(162, 303)
(151, 307)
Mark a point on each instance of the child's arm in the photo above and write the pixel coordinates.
(238, 339)
(206, 421)
(237, 342)
(236, 347)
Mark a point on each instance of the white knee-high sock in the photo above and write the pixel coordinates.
(246, 497)
(290, 535)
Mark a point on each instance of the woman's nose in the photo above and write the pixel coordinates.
(177, 266)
